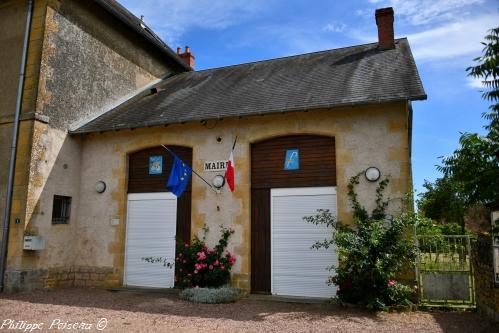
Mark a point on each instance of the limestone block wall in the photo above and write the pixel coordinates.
(365, 136)
(487, 292)
(12, 22)
(81, 62)
(61, 277)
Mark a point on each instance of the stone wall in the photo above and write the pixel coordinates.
(365, 136)
(12, 20)
(12, 23)
(487, 292)
(74, 276)
(81, 62)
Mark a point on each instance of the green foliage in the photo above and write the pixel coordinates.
(475, 164)
(371, 253)
(435, 240)
(398, 293)
(427, 226)
(211, 295)
(442, 202)
(198, 265)
(488, 68)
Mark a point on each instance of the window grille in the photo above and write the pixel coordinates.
(61, 209)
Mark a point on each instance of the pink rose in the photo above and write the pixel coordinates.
(180, 254)
(222, 267)
(186, 245)
(232, 258)
(216, 263)
(211, 267)
(391, 283)
(201, 255)
(195, 271)
(184, 261)
(210, 250)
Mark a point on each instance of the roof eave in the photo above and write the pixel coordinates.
(248, 114)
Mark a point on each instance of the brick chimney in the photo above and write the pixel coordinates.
(384, 21)
(187, 56)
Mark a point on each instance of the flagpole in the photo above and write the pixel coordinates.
(194, 172)
(234, 145)
(232, 151)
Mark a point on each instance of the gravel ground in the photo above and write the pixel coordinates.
(127, 311)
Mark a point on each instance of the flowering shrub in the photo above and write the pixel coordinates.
(398, 293)
(372, 253)
(197, 265)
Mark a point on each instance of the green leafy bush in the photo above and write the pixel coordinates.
(427, 226)
(371, 253)
(198, 265)
(211, 295)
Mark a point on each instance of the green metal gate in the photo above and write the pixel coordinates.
(444, 271)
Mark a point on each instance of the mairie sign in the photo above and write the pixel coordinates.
(215, 165)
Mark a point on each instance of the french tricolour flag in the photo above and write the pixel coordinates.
(229, 172)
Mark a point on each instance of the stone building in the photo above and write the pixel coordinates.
(83, 57)
(102, 94)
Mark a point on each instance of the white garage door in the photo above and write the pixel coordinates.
(298, 270)
(150, 232)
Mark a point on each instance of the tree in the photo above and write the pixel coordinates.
(442, 202)
(475, 164)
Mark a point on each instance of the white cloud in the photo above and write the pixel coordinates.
(172, 18)
(334, 27)
(475, 83)
(462, 38)
(418, 12)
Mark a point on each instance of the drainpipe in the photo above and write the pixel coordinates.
(13, 149)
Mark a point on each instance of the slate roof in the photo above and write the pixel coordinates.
(347, 76)
(133, 22)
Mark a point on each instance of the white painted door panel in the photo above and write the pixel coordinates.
(298, 270)
(151, 228)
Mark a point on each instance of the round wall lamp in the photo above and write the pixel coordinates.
(100, 186)
(218, 181)
(372, 174)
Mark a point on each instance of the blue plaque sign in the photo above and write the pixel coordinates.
(155, 165)
(292, 161)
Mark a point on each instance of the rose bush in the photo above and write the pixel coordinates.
(198, 265)
(372, 252)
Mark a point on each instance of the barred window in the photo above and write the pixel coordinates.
(61, 209)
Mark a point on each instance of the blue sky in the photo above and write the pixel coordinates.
(444, 35)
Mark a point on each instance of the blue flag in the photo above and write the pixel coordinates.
(179, 177)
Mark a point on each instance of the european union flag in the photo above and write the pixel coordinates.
(179, 177)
